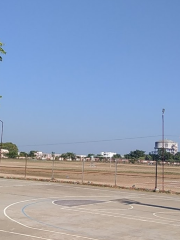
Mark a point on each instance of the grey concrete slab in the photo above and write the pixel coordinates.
(51, 211)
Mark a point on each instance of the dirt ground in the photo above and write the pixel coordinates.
(123, 175)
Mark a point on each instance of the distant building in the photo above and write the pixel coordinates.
(80, 156)
(38, 155)
(3, 153)
(108, 154)
(169, 145)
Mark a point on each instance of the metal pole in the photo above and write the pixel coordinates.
(1, 139)
(82, 170)
(52, 175)
(115, 173)
(156, 176)
(163, 149)
(25, 167)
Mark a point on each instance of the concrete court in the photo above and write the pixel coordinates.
(51, 211)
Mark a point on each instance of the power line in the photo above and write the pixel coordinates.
(91, 141)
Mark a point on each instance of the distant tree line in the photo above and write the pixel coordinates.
(133, 156)
(13, 151)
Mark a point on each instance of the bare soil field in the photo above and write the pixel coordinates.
(122, 175)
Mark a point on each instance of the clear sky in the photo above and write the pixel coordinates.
(89, 70)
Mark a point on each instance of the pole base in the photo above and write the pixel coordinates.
(156, 190)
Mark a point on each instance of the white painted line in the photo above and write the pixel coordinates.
(26, 185)
(170, 219)
(40, 229)
(137, 195)
(125, 216)
(116, 215)
(25, 235)
(98, 189)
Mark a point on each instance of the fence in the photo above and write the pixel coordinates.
(100, 173)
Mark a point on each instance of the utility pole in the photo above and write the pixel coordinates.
(1, 139)
(82, 170)
(163, 110)
(53, 158)
(115, 183)
(156, 189)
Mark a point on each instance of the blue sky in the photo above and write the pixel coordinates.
(82, 71)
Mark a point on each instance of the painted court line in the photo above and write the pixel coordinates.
(155, 214)
(25, 235)
(120, 215)
(26, 185)
(40, 229)
(131, 217)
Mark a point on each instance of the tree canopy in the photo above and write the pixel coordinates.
(23, 154)
(117, 155)
(32, 153)
(135, 154)
(1, 50)
(167, 156)
(69, 155)
(90, 155)
(12, 148)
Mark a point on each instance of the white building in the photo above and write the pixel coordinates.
(108, 154)
(169, 145)
(38, 155)
(3, 153)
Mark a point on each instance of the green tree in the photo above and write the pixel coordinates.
(117, 156)
(155, 156)
(69, 155)
(148, 157)
(168, 156)
(160, 155)
(90, 155)
(127, 156)
(1, 50)
(23, 154)
(176, 157)
(32, 154)
(135, 154)
(12, 154)
(12, 148)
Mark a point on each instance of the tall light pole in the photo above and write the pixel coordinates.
(1, 138)
(82, 170)
(163, 110)
(156, 189)
(115, 173)
(53, 158)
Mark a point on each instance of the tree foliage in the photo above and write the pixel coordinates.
(12, 154)
(69, 155)
(177, 157)
(148, 157)
(90, 155)
(166, 156)
(1, 50)
(12, 148)
(32, 154)
(117, 156)
(135, 154)
(23, 154)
